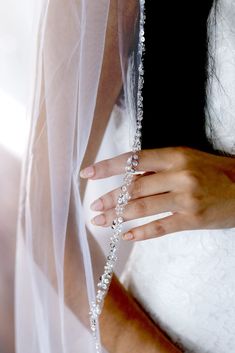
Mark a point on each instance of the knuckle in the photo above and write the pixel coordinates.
(193, 204)
(107, 165)
(149, 231)
(140, 208)
(158, 228)
(180, 199)
(190, 179)
(140, 233)
(137, 188)
(188, 202)
(182, 155)
(109, 200)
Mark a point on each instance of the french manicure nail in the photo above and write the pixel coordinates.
(128, 236)
(99, 220)
(87, 172)
(97, 205)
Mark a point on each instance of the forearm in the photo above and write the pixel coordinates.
(125, 328)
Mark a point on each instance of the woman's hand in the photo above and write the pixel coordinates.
(196, 187)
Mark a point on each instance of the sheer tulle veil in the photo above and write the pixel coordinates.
(58, 261)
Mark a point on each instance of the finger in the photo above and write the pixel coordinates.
(146, 185)
(149, 160)
(109, 200)
(144, 207)
(155, 229)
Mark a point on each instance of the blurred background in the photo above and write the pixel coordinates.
(17, 27)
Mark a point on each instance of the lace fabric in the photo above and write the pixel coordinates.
(185, 282)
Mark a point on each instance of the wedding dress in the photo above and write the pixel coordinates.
(185, 281)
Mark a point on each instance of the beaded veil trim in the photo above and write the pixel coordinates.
(124, 196)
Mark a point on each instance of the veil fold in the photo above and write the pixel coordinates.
(85, 75)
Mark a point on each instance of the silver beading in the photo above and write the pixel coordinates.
(124, 196)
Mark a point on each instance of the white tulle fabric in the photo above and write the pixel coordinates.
(186, 281)
(58, 263)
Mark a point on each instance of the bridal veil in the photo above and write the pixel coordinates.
(82, 105)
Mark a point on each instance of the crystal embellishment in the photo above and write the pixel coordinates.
(124, 196)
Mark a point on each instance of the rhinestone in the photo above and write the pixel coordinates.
(100, 295)
(129, 161)
(124, 188)
(113, 251)
(108, 274)
(97, 347)
(104, 286)
(115, 240)
(118, 231)
(119, 209)
(135, 163)
(128, 168)
(112, 258)
(120, 220)
(110, 264)
(93, 324)
(121, 199)
(114, 224)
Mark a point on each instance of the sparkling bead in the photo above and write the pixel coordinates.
(114, 224)
(124, 188)
(110, 264)
(119, 210)
(93, 324)
(100, 295)
(97, 347)
(117, 231)
(128, 168)
(120, 199)
(128, 179)
(129, 161)
(135, 163)
(120, 220)
(112, 258)
(114, 240)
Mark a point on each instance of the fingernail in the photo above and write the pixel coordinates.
(97, 205)
(99, 220)
(128, 236)
(87, 172)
